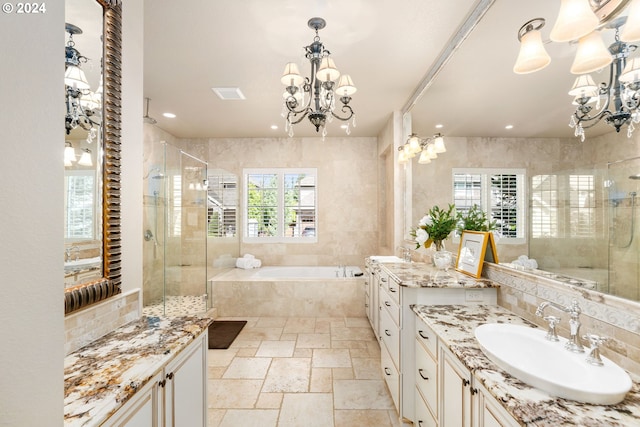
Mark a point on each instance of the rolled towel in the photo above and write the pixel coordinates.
(244, 263)
(256, 263)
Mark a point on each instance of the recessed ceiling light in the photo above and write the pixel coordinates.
(344, 126)
(508, 127)
(228, 93)
(169, 115)
(439, 126)
(274, 127)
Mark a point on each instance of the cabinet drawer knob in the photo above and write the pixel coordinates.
(426, 337)
(420, 371)
(387, 333)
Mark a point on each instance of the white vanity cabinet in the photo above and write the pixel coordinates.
(397, 333)
(447, 395)
(174, 397)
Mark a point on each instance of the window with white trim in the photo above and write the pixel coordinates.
(280, 205)
(222, 203)
(500, 193)
(80, 204)
(563, 206)
(544, 206)
(582, 208)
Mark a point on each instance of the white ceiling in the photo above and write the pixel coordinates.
(387, 47)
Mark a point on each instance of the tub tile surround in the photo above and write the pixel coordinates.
(615, 318)
(237, 293)
(129, 355)
(531, 407)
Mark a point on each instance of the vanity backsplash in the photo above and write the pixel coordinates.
(95, 321)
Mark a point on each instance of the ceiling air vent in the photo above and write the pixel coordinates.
(228, 93)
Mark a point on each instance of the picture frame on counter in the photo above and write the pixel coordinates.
(475, 248)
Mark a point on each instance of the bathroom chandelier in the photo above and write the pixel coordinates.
(429, 148)
(315, 96)
(616, 101)
(83, 105)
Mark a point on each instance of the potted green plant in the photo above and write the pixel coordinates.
(474, 219)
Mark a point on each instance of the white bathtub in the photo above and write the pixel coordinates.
(295, 273)
(289, 291)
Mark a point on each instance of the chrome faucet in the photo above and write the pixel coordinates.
(573, 344)
(67, 253)
(405, 253)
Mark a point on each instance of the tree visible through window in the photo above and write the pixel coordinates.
(280, 203)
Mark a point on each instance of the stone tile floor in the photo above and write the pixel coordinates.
(289, 372)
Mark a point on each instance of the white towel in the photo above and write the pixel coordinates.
(248, 263)
(244, 263)
(249, 256)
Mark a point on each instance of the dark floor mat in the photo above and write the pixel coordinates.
(223, 332)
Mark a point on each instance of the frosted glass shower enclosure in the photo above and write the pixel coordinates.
(175, 232)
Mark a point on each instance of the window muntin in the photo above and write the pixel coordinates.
(498, 192)
(280, 205)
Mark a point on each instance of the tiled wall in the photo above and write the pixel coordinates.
(347, 188)
(91, 323)
(604, 315)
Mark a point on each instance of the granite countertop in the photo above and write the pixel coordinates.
(100, 377)
(424, 275)
(455, 325)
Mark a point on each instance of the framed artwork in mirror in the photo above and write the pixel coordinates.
(475, 247)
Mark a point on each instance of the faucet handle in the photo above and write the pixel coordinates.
(594, 355)
(553, 321)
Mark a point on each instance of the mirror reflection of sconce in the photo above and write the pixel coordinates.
(70, 156)
(429, 148)
(83, 105)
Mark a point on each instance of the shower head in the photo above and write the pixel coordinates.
(146, 117)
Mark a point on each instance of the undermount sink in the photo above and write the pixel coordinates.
(82, 263)
(525, 353)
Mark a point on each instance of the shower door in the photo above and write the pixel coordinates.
(175, 249)
(623, 184)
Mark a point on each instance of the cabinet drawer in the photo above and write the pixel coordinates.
(390, 375)
(427, 337)
(387, 303)
(427, 377)
(390, 335)
(423, 417)
(393, 288)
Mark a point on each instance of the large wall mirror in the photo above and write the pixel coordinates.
(582, 215)
(92, 253)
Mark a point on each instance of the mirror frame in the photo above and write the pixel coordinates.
(85, 294)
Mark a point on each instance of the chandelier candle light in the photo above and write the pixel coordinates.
(616, 101)
(315, 96)
(83, 105)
